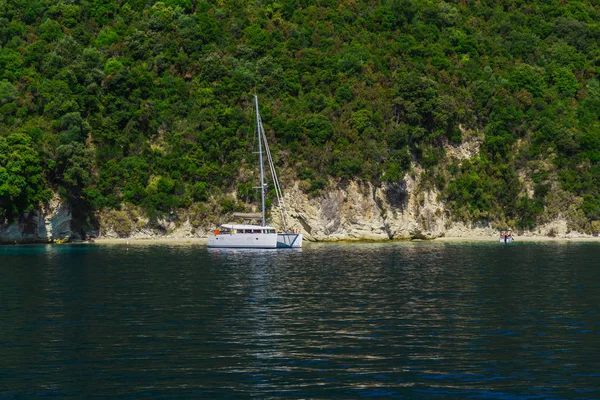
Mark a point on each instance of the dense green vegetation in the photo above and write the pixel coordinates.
(112, 102)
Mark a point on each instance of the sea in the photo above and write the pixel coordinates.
(404, 320)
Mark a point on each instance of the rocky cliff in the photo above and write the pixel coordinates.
(402, 211)
(345, 211)
(350, 211)
(51, 223)
(361, 211)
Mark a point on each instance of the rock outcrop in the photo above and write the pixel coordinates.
(51, 223)
(361, 211)
(350, 211)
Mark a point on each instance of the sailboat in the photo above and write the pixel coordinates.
(252, 235)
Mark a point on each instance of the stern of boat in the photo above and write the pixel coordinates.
(289, 240)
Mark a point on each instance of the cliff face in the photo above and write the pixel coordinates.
(354, 211)
(361, 211)
(350, 211)
(365, 212)
(51, 223)
(402, 211)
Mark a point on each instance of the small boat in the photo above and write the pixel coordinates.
(506, 236)
(254, 236)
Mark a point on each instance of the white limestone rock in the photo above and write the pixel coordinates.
(52, 222)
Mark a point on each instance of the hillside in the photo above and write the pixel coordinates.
(145, 105)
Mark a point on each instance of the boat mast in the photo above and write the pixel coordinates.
(260, 157)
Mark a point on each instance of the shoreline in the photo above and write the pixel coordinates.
(202, 241)
(444, 239)
(171, 241)
(518, 239)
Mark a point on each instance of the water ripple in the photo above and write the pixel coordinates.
(403, 320)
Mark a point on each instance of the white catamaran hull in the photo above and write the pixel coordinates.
(246, 241)
(289, 240)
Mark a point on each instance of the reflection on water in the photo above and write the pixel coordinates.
(400, 320)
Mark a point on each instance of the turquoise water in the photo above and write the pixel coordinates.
(402, 320)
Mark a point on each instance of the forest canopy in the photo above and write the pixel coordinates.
(149, 103)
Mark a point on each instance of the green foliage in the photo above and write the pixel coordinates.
(316, 185)
(526, 77)
(184, 4)
(7, 92)
(402, 12)
(565, 81)
(102, 10)
(200, 191)
(50, 30)
(360, 120)
(112, 65)
(481, 190)
(11, 64)
(23, 186)
(257, 38)
(343, 93)
(150, 103)
(107, 37)
(73, 164)
(527, 211)
(318, 129)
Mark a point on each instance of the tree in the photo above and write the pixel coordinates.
(23, 186)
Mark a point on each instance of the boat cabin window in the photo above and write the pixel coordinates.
(228, 231)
